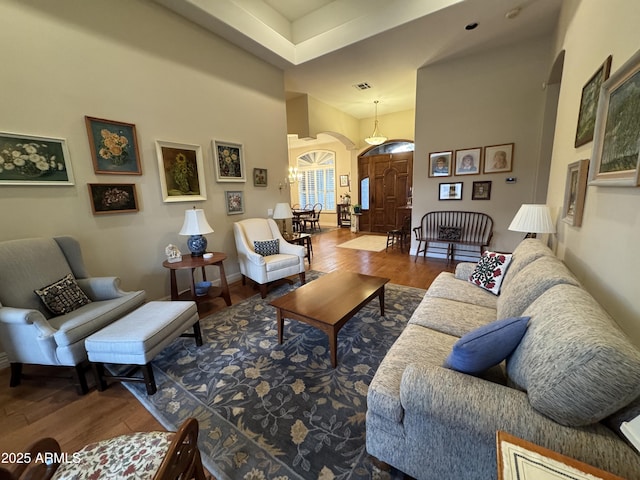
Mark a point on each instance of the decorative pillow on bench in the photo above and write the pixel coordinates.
(63, 296)
(487, 346)
(452, 234)
(490, 271)
(266, 247)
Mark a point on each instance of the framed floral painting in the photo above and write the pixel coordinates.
(30, 160)
(113, 198)
(114, 146)
(234, 202)
(229, 161)
(181, 172)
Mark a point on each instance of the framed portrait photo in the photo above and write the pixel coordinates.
(259, 177)
(589, 104)
(468, 161)
(440, 164)
(31, 160)
(181, 172)
(114, 146)
(234, 202)
(229, 161)
(616, 150)
(450, 191)
(481, 191)
(113, 198)
(498, 158)
(575, 192)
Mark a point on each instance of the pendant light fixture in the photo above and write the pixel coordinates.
(375, 138)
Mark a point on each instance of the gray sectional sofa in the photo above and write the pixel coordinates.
(571, 374)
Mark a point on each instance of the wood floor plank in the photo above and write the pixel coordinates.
(49, 406)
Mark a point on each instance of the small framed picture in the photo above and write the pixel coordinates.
(589, 104)
(229, 161)
(450, 191)
(259, 177)
(468, 161)
(113, 198)
(481, 191)
(498, 158)
(234, 202)
(29, 160)
(344, 180)
(181, 170)
(440, 164)
(114, 146)
(575, 192)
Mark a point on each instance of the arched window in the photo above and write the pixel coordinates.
(318, 179)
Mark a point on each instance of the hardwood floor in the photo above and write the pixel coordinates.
(49, 407)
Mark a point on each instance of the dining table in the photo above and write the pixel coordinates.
(299, 215)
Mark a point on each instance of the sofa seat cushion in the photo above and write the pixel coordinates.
(531, 282)
(575, 364)
(451, 317)
(446, 285)
(415, 344)
(79, 324)
(280, 261)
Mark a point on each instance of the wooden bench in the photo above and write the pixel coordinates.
(444, 230)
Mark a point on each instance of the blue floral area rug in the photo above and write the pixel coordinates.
(270, 411)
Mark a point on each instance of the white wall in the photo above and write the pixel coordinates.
(490, 98)
(136, 62)
(603, 252)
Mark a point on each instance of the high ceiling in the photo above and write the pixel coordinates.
(328, 47)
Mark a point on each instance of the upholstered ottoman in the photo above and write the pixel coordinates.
(138, 337)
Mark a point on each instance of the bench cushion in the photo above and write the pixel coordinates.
(138, 337)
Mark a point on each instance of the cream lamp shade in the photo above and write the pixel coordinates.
(533, 219)
(282, 212)
(195, 225)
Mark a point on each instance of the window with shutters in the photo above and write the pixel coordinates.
(317, 182)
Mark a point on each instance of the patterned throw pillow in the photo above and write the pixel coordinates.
(266, 247)
(453, 234)
(63, 296)
(490, 271)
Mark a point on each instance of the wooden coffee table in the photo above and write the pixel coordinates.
(329, 302)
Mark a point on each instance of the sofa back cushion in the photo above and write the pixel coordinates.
(531, 282)
(26, 265)
(526, 252)
(575, 364)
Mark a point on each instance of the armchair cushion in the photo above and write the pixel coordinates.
(63, 296)
(266, 247)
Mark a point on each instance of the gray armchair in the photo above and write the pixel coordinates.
(29, 332)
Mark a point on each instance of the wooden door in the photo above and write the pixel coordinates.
(390, 177)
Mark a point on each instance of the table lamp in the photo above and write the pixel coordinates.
(195, 225)
(282, 212)
(532, 219)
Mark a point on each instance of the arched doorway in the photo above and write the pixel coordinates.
(385, 179)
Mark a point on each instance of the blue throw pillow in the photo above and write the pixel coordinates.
(487, 346)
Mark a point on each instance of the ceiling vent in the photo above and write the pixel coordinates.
(362, 86)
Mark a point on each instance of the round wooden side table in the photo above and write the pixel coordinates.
(192, 263)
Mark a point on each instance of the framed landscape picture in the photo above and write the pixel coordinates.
(31, 160)
(229, 161)
(468, 161)
(181, 172)
(616, 149)
(440, 164)
(498, 158)
(234, 202)
(575, 192)
(114, 146)
(450, 191)
(589, 104)
(113, 198)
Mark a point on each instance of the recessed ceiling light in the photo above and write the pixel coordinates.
(471, 26)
